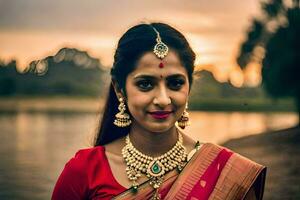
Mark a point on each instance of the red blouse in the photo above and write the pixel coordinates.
(87, 176)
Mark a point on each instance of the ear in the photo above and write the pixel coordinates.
(117, 89)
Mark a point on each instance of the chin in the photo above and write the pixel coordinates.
(160, 128)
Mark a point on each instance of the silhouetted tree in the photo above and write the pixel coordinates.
(68, 72)
(273, 41)
(7, 78)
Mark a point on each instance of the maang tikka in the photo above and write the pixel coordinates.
(160, 49)
(122, 118)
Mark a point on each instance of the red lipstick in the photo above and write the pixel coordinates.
(160, 114)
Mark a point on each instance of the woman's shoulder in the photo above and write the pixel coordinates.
(79, 173)
(237, 170)
(86, 158)
(85, 163)
(234, 156)
(236, 165)
(89, 152)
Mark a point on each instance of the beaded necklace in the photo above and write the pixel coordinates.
(153, 167)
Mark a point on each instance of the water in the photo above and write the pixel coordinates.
(35, 146)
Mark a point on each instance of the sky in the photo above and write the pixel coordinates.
(34, 29)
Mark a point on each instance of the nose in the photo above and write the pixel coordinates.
(162, 98)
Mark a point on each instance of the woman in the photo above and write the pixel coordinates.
(139, 151)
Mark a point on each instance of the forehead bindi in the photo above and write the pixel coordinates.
(148, 65)
(150, 61)
(154, 71)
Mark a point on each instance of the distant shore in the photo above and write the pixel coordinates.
(51, 104)
(94, 104)
(279, 151)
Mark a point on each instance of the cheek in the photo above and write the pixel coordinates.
(137, 101)
(181, 97)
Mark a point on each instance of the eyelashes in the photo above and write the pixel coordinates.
(175, 84)
(172, 83)
(144, 85)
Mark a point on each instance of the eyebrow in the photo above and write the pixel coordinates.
(146, 76)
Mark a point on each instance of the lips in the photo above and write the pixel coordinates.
(160, 114)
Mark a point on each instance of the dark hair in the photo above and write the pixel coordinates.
(132, 45)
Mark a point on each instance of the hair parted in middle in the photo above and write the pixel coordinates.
(131, 47)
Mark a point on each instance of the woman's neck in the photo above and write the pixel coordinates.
(153, 143)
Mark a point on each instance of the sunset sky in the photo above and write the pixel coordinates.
(33, 29)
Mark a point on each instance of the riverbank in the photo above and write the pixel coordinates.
(243, 104)
(57, 104)
(280, 152)
(72, 104)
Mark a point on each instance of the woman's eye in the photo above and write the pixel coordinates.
(145, 85)
(175, 84)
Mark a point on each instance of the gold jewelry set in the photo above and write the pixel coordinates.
(184, 119)
(122, 118)
(153, 167)
(160, 49)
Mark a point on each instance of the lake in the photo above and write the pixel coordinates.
(35, 146)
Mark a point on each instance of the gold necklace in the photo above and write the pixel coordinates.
(153, 167)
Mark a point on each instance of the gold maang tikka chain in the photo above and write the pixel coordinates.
(160, 49)
(153, 167)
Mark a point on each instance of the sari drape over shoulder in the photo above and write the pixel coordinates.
(214, 172)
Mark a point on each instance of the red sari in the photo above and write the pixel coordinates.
(213, 172)
(87, 176)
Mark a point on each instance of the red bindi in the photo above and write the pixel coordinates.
(161, 65)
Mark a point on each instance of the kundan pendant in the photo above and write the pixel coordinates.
(156, 168)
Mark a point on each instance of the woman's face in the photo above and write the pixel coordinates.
(156, 97)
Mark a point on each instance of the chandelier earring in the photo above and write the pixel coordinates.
(122, 118)
(184, 120)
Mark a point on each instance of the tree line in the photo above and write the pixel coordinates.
(68, 72)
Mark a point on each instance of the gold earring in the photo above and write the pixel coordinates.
(184, 120)
(122, 118)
